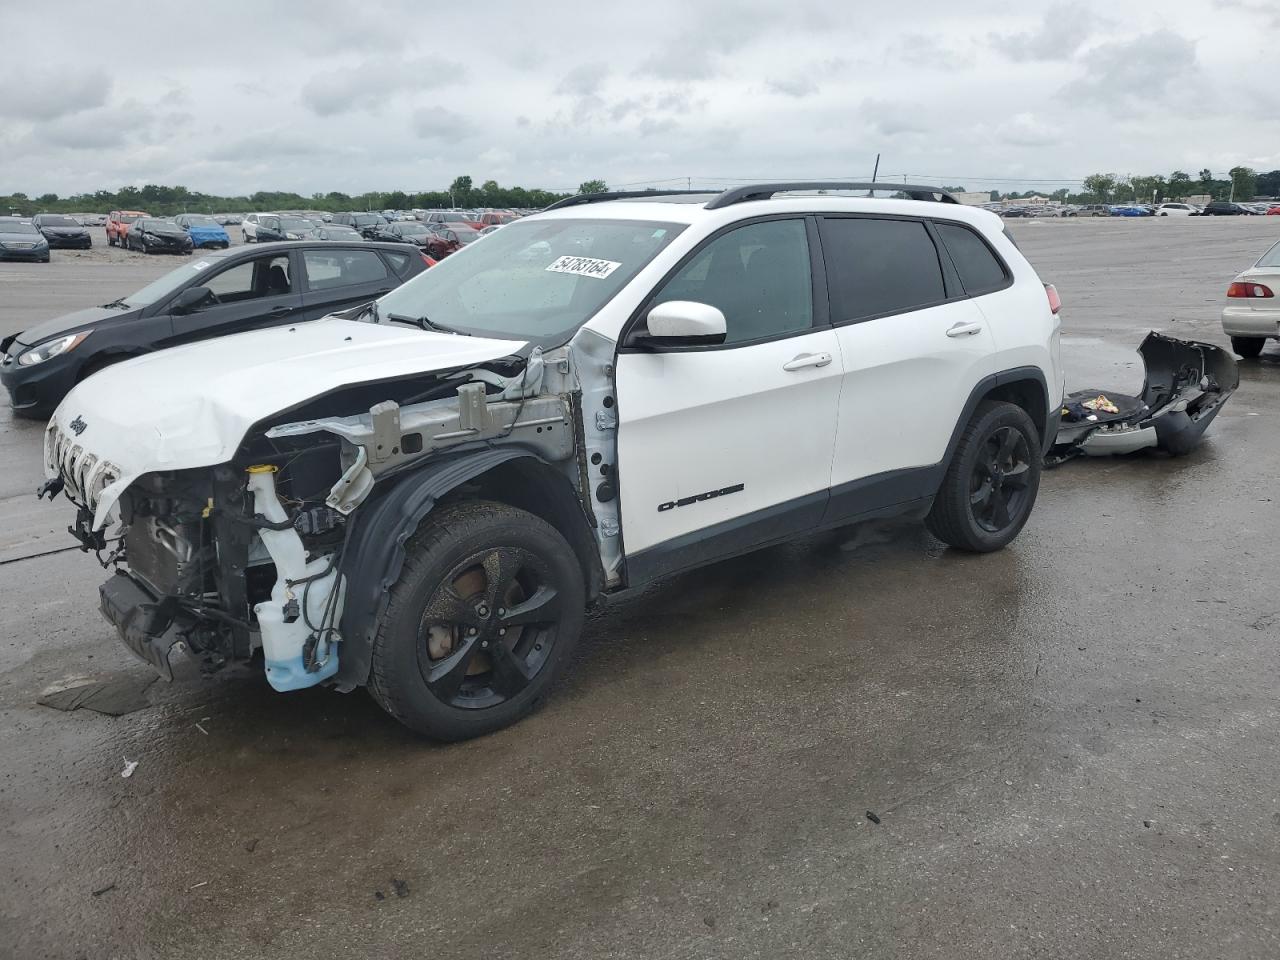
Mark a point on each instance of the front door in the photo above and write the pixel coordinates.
(723, 448)
(260, 292)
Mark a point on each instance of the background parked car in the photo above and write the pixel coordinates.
(1224, 208)
(1251, 316)
(1093, 210)
(233, 290)
(362, 222)
(153, 235)
(62, 231)
(495, 219)
(20, 240)
(204, 230)
(118, 225)
(449, 238)
(337, 231)
(271, 227)
(413, 232)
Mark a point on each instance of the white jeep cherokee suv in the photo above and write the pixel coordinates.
(423, 495)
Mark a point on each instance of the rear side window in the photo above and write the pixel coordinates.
(878, 267)
(980, 271)
(398, 261)
(342, 268)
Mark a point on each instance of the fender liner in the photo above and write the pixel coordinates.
(374, 555)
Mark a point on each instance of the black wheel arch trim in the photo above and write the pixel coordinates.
(375, 552)
(1043, 418)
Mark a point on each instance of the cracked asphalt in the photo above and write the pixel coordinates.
(1070, 745)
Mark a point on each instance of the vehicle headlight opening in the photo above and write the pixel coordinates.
(51, 348)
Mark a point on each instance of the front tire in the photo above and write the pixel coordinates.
(483, 618)
(991, 482)
(1248, 347)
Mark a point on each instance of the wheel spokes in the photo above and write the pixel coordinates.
(1008, 444)
(542, 607)
(448, 607)
(500, 568)
(445, 678)
(510, 673)
(1017, 475)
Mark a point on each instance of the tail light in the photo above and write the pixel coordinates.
(1055, 301)
(1248, 290)
(428, 260)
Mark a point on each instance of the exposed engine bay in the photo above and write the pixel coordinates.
(253, 555)
(1185, 384)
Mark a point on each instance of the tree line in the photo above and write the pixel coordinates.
(167, 201)
(1241, 183)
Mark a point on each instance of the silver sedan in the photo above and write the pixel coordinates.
(1252, 314)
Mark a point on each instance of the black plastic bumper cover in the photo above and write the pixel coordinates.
(143, 623)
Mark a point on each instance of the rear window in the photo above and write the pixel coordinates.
(1271, 258)
(879, 267)
(980, 271)
(342, 268)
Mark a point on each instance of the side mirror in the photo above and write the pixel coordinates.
(682, 323)
(189, 299)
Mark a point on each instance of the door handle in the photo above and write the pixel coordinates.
(964, 329)
(277, 311)
(807, 360)
(382, 291)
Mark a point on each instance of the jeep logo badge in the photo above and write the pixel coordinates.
(78, 425)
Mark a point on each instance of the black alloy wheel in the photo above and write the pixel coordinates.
(485, 613)
(489, 629)
(998, 485)
(991, 481)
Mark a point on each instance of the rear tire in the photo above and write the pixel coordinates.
(1248, 347)
(991, 482)
(444, 664)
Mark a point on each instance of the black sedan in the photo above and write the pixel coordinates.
(242, 288)
(337, 231)
(151, 235)
(413, 232)
(62, 231)
(19, 240)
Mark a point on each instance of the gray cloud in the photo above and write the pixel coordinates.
(583, 80)
(438, 123)
(369, 85)
(1065, 28)
(1138, 70)
(798, 87)
(59, 97)
(924, 50)
(892, 117)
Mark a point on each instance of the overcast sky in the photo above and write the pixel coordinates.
(235, 96)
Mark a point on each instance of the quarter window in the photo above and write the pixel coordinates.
(980, 271)
(757, 275)
(878, 267)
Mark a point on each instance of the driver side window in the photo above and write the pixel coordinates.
(757, 275)
(251, 280)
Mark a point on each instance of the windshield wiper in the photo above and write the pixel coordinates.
(116, 304)
(423, 323)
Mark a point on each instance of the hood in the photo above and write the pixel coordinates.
(191, 406)
(176, 232)
(6, 237)
(90, 316)
(206, 231)
(63, 231)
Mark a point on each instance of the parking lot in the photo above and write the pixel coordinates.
(1069, 745)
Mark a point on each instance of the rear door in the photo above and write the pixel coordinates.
(913, 349)
(262, 291)
(339, 276)
(722, 448)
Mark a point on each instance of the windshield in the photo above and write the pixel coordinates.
(364, 219)
(201, 222)
(1271, 258)
(16, 226)
(159, 289)
(411, 228)
(127, 217)
(58, 222)
(534, 280)
(463, 232)
(296, 224)
(341, 231)
(157, 225)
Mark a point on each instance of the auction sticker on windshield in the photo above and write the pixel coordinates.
(583, 266)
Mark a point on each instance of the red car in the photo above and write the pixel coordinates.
(118, 226)
(495, 219)
(1274, 210)
(447, 238)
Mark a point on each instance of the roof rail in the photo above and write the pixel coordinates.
(763, 191)
(582, 198)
